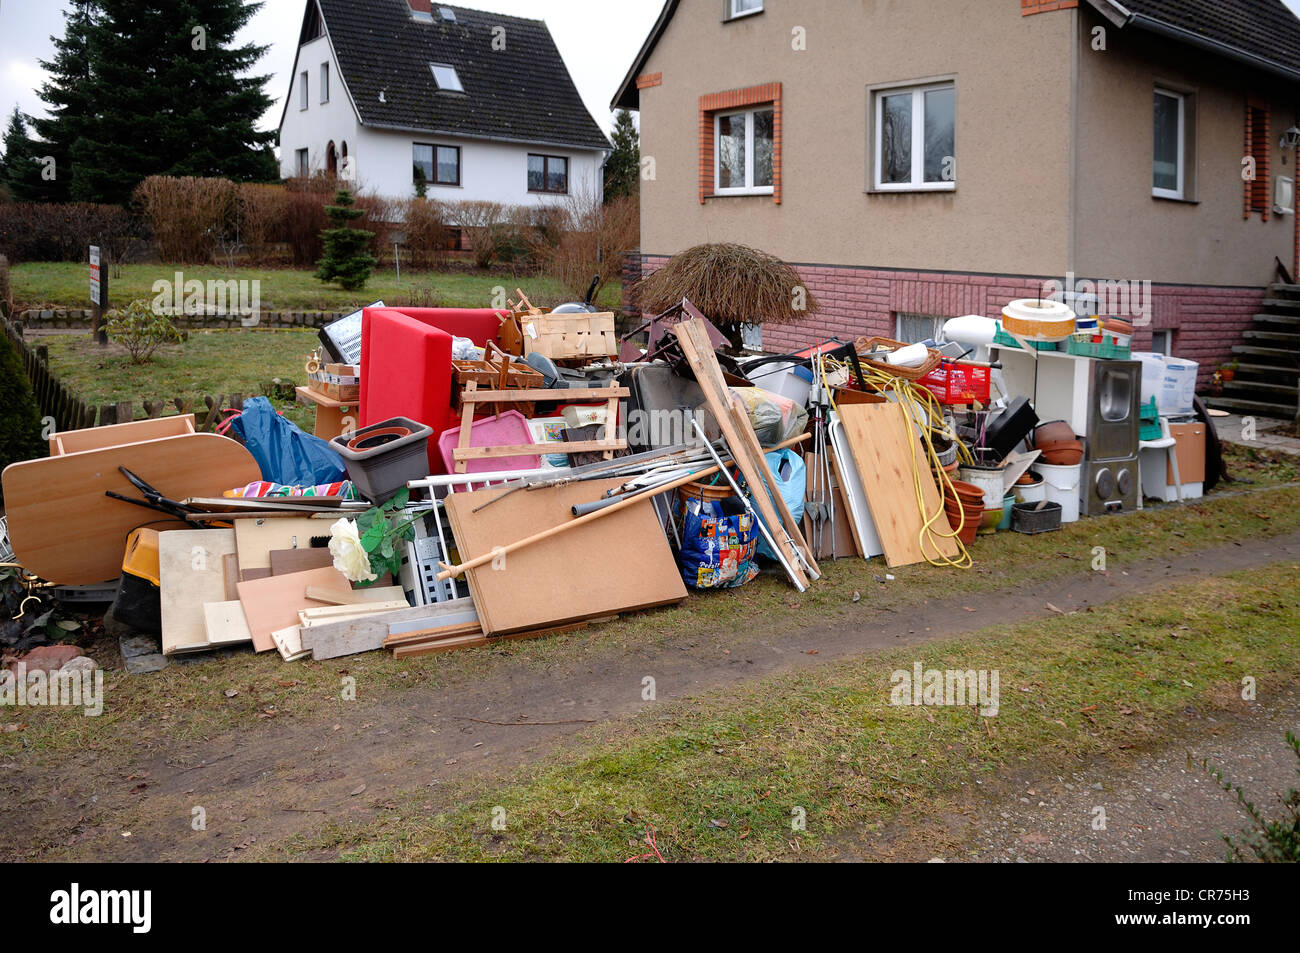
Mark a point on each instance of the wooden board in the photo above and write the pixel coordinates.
(256, 538)
(620, 563)
(273, 603)
(287, 561)
(191, 570)
(367, 635)
(65, 530)
(693, 337)
(117, 435)
(453, 643)
(225, 624)
(885, 449)
(844, 542)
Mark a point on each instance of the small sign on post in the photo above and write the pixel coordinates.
(98, 295)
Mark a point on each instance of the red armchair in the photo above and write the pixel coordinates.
(406, 364)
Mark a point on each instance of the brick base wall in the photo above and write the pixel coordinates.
(864, 302)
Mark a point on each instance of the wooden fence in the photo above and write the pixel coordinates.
(68, 411)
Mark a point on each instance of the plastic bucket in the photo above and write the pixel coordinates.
(988, 479)
(1153, 373)
(1178, 387)
(1061, 485)
(1031, 492)
(1007, 504)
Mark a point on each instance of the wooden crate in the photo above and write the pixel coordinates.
(488, 375)
(565, 337)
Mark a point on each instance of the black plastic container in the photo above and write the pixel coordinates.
(1034, 518)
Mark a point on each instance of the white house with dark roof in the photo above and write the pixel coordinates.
(479, 105)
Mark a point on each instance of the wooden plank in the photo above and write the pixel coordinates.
(531, 449)
(230, 569)
(336, 613)
(273, 603)
(435, 634)
(225, 624)
(256, 538)
(885, 451)
(65, 530)
(97, 438)
(400, 629)
(477, 641)
(352, 597)
(367, 635)
(699, 354)
(284, 562)
(592, 395)
(191, 574)
(288, 642)
(618, 563)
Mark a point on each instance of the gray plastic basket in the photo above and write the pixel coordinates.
(380, 471)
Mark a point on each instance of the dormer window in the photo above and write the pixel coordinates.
(448, 14)
(446, 78)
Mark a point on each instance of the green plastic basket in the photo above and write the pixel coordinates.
(1002, 339)
(1105, 350)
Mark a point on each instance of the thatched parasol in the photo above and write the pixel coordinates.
(733, 285)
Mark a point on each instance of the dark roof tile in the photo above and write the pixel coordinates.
(521, 94)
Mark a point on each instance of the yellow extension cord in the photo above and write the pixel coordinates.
(924, 413)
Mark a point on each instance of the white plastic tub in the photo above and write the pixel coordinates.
(1153, 374)
(1178, 388)
(1032, 493)
(988, 479)
(1061, 485)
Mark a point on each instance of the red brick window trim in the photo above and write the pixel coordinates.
(1258, 146)
(1030, 7)
(715, 103)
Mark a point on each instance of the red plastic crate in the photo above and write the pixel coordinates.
(955, 383)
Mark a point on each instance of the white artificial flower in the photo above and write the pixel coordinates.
(350, 557)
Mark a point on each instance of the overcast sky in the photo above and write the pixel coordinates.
(598, 39)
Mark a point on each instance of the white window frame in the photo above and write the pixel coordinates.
(302, 165)
(734, 14)
(1167, 349)
(304, 90)
(917, 183)
(749, 151)
(455, 75)
(1181, 191)
(324, 83)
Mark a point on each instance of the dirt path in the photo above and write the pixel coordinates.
(277, 777)
(1159, 806)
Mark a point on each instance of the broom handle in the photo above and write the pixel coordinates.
(451, 572)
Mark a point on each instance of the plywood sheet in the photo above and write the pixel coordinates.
(885, 450)
(65, 530)
(225, 624)
(287, 561)
(191, 573)
(256, 538)
(273, 603)
(367, 635)
(617, 564)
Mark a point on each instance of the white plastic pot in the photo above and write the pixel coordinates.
(1153, 374)
(1031, 493)
(1061, 485)
(1178, 387)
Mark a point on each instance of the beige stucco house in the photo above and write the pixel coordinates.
(921, 159)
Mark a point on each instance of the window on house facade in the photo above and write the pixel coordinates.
(324, 82)
(915, 328)
(744, 151)
(447, 78)
(1162, 342)
(733, 9)
(1169, 166)
(304, 163)
(303, 91)
(915, 138)
(548, 174)
(439, 165)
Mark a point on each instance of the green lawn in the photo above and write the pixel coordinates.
(723, 777)
(209, 362)
(66, 285)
